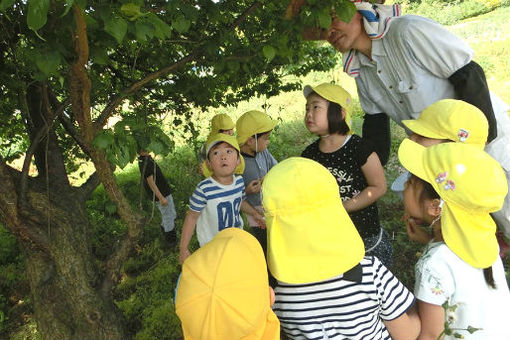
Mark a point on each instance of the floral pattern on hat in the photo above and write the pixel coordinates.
(463, 135)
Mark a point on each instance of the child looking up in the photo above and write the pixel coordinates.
(451, 120)
(351, 160)
(253, 131)
(223, 292)
(217, 200)
(453, 188)
(327, 288)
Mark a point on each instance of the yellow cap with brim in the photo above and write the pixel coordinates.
(336, 94)
(472, 184)
(451, 119)
(219, 138)
(309, 234)
(251, 123)
(223, 292)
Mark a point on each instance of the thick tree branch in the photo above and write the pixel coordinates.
(117, 100)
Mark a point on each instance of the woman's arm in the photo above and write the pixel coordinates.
(376, 185)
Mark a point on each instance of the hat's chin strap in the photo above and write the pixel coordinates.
(441, 202)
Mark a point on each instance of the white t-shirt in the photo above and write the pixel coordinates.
(441, 275)
(219, 206)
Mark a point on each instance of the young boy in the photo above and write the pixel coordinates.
(451, 120)
(223, 292)
(217, 200)
(327, 288)
(253, 131)
(158, 189)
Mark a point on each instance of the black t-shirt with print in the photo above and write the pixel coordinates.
(345, 165)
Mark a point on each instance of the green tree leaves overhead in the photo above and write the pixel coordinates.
(37, 13)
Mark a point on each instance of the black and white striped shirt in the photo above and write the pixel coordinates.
(339, 308)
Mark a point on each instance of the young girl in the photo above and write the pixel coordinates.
(351, 160)
(453, 188)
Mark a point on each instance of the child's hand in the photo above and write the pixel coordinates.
(416, 233)
(253, 187)
(183, 255)
(164, 202)
(261, 222)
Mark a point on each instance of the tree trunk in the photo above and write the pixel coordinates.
(60, 267)
(64, 282)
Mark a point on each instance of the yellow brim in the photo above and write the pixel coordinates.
(471, 236)
(329, 244)
(421, 129)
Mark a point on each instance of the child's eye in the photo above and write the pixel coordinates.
(229, 151)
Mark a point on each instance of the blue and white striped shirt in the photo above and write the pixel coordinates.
(219, 206)
(341, 309)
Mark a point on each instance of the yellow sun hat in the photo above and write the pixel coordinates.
(310, 236)
(221, 121)
(223, 292)
(472, 184)
(216, 139)
(336, 94)
(451, 119)
(251, 123)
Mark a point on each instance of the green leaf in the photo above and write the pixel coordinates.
(99, 56)
(345, 11)
(181, 24)
(143, 31)
(103, 139)
(131, 11)
(324, 19)
(37, 13)
(161, 29)
(4, 4)
(117, 27)
(69, 5)
(48, 62)
(269, 52)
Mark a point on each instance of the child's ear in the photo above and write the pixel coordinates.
(208, 164)
(434, 207)
(238, 159)
(343, 113)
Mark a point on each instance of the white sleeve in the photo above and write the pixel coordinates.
(435, 48)
(434, 282)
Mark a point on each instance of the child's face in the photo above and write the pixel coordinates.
(316, 116)
(260, 144)
(413, 205)
(223, 159)
(425, 141)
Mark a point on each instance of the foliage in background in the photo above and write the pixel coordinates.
(448, 12)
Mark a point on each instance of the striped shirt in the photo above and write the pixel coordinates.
(219, 206)
(342, 309)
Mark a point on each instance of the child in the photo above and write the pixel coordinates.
(453, 188)
(451, 120)
(158, 189)
(326, 288)
(351, 160)
(223, 292)
(253, 131)
(217, 200)
(220, 123)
